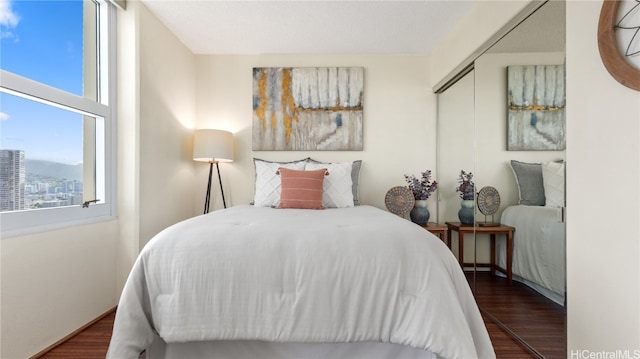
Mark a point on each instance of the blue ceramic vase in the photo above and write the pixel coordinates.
(466, 213)
(419, 213)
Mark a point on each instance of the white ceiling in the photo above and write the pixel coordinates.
(310, 27)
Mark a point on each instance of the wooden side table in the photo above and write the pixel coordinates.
(437, 229)
(463, 229)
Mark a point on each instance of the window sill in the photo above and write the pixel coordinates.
(54, 227)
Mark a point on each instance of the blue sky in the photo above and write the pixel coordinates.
(42, 40)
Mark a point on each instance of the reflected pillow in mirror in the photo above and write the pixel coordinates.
(553, 182)
(530, 183)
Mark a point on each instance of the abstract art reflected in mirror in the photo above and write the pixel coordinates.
(536, 104)
(308, 108)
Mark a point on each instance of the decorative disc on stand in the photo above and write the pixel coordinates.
(488, 204)
(399, 200)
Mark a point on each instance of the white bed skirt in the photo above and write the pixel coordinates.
(269, 350)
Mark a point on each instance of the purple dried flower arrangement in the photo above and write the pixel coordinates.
(466, 186)
(422, 187)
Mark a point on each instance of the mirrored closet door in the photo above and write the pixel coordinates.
(477, 120)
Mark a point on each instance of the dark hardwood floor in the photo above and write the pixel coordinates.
(91, 343)
(537, 320)
(547, 335)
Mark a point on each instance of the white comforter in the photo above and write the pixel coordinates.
(286, 275)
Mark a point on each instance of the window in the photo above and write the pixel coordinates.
(57, 113)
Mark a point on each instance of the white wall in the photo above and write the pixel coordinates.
(399, 120)
(156, 177)
(167, 119)
(603, 171)
(128, 39)
(53, 283)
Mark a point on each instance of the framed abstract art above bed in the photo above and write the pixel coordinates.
(308, 108)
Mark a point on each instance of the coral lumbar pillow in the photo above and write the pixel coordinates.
(301, 189)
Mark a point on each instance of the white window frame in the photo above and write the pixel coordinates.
(17, 223)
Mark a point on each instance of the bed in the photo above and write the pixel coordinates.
(251, 281)
(538, 249)
(539, 239)
(303, 272)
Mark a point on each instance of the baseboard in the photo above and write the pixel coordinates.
(73, 334)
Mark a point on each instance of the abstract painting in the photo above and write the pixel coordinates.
(536, 119)
(307, 108)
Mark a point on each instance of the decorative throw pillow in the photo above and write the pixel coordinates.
(355, 175)
(267, 189)
(553, 182)
(301, 189)
(337, 185)
(530, 184)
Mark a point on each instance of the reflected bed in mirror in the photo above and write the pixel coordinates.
(538, 250)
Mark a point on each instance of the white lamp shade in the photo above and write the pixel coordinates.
(213, 145)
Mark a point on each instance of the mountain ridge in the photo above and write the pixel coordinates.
(53, 169)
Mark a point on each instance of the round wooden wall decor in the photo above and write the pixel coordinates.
(613, 58)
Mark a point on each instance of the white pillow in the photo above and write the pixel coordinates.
(355, 176)
(337, 188)
(268, 184)
(553, 182)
